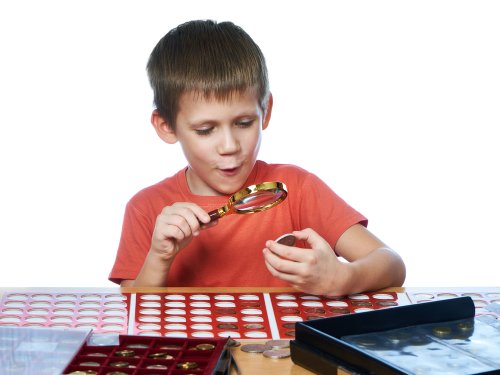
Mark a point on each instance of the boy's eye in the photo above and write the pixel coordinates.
(245, 123)
(203, 131)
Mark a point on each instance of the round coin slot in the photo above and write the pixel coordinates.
(251, 311)
(285, 297)
(224, 297)
(249, 297)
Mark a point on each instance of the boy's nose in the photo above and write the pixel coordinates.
(228, 144)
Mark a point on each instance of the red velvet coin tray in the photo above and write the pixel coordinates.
(101, 312)
(138, 355)
(290, 308)
(202, 315)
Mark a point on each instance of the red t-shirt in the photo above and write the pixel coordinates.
(230, 254)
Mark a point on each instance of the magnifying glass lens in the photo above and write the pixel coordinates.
(255, 198)
(259, 200)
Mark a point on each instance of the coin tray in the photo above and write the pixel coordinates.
(290, 308)
(101, 312)
(140, 355)
(202, 315)
(487, 303)
(441, 337)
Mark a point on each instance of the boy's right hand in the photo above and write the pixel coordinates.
(176, 226)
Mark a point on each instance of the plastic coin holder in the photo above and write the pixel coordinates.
(290, 308)
(458, 347)
(101, 312)
(138, 355)
(38, 350)
(487, 303)
(202, 315)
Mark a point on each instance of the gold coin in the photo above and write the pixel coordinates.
(205, 347)
(160, 355)
(124, 353)
(187, 365)
(89, 363)
(170, 347)
(441, 331)
(119, 364)
(157, 367)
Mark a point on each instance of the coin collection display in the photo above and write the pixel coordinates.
(487, 303)
(148, 355)
(241, 316)
(206, 315)
(458, 347)
(290, 308)
(101, 312)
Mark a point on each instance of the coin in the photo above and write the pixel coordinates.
(253, 348)
(277, 353)
(124, 353)
(119, 364)
(227, 326)
(205, 346)
(286, 239)
(89, 363)
(160, 355)
(187, 365)
(233, 343)
(170, 347)
(441, 331)
(157, 367)
(277, 344)
(254, 326)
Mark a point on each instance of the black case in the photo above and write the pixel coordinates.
(318, 346)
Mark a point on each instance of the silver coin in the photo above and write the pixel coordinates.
(286, 239)
(277, 353)
(233, 343)
(254, 348)
(277, 344)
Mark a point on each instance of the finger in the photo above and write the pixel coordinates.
(281, 264)
(295, 254)
(313, 239)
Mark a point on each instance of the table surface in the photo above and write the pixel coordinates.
(248, 363)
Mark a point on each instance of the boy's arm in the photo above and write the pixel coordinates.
(371, 264)
(174, 229)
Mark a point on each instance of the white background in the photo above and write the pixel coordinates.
(395, 104)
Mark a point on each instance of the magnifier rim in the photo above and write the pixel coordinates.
(249, 190)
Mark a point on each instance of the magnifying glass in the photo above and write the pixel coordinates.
(254, 198)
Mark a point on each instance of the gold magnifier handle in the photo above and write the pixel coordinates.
(218, 213)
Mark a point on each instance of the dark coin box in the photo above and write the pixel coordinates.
(322, 345)
(149, 357)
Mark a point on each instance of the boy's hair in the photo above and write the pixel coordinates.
(210, 58)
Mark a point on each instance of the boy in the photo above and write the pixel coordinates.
(212, 95)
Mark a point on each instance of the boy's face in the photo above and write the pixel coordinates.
(220, 139)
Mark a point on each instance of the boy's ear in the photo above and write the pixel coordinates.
(267, 116)
(163, 128)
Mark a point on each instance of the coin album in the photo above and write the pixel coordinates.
(438, 337)
(152, 355)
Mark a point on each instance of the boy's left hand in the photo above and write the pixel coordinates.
(311, 270)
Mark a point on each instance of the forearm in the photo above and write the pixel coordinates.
(154, 272)
(379, 269)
